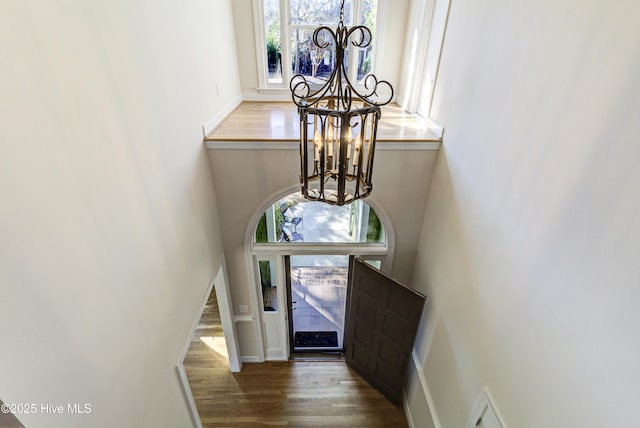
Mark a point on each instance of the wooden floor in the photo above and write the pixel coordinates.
(279, 121)
(294, 393)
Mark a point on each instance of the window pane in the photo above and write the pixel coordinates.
(369, 12)
(261, 231)
(268, 283)
(368, 19)
(304, 57)
(310, 60)
(297, 220)
(375, 263)
(274, 44)
(315, 12)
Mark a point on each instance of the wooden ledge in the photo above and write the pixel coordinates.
(277, 123)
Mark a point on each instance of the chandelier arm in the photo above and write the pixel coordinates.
(316, 35)
(371, 90)
(308, 97)
(364, 31)
(301, 91)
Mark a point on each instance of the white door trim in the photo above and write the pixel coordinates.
(220, 282)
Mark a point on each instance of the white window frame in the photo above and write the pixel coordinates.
(277, 88)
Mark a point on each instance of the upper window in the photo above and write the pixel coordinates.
(285, 45)
(296, 220)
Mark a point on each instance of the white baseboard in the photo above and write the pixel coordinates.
(435, 127)
(186, 389)
(426, 392)
(407, 410)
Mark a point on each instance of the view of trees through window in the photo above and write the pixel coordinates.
(303, 56)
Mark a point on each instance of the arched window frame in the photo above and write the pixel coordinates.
(377, 251)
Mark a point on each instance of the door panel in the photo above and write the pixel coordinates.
(381, 325)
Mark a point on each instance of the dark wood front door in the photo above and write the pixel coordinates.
(382, 321)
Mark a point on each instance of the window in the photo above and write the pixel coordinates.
(267, 271)
(296, 220)
(284, 39)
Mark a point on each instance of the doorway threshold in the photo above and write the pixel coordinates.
(317, 356)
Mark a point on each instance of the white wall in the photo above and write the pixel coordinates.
(531, 235)
(392, 23)
(109, 226)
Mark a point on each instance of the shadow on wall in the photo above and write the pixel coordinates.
(442, 273)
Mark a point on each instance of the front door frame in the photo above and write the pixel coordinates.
(382, 252)
(290, 302)
(281, 252)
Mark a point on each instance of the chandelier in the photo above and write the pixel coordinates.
(338, 122)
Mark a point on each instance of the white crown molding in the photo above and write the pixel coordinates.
(295, 145)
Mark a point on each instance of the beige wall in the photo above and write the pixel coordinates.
(531, 236)
(109, 226)
(245, 179)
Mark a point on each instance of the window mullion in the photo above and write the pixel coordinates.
(258, 15)
(356, 11)
(285, 34)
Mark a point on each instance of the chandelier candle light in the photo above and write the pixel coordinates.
(338, 123)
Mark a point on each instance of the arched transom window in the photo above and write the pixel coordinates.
(294, 219)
